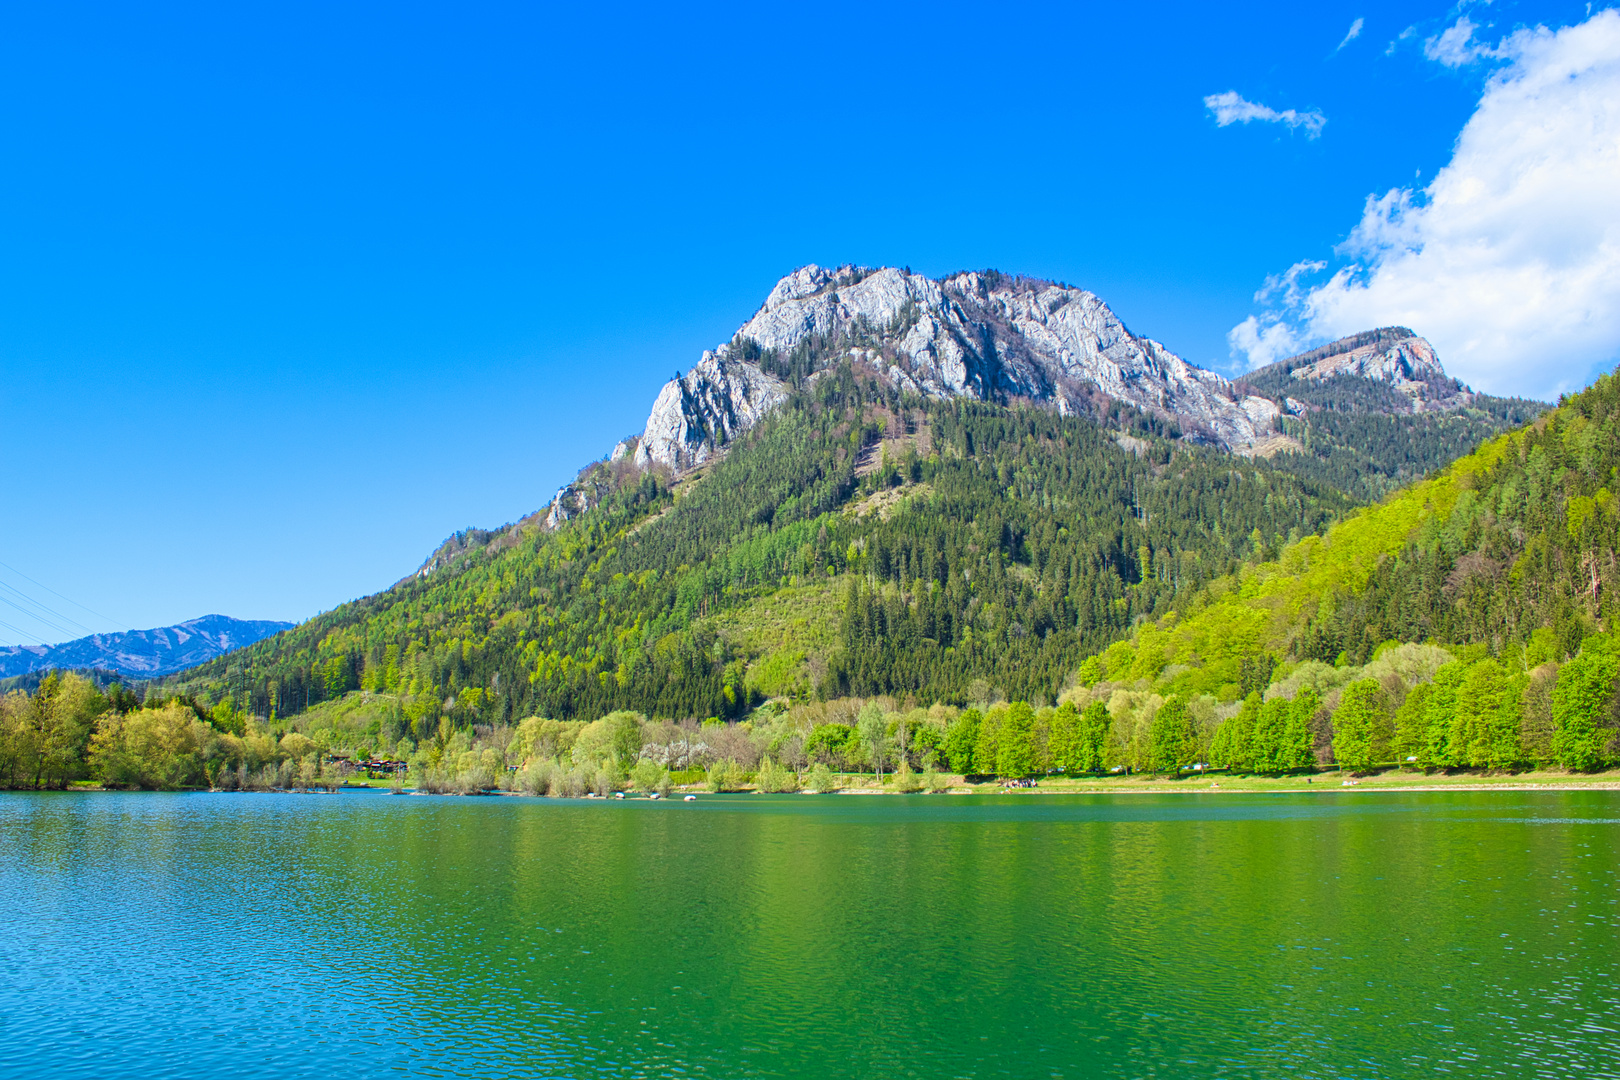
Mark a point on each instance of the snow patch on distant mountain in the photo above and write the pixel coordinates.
(143, 653)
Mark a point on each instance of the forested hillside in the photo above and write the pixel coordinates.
(1506, 561)
(1368, 453)
(939, 543)
(1052, 595)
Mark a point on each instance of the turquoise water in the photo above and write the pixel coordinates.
(1338, 935)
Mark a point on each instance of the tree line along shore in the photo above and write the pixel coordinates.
(1418, 708)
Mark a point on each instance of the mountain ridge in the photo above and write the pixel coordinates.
(150, 653)
(990, 336)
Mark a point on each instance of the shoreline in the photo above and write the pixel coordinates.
(1254, 786)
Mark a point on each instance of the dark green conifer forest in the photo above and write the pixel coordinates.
(955, 542)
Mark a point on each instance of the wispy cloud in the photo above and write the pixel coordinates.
(1355, 32)
(1232, 108)
(1455, 45)
(1509, 261)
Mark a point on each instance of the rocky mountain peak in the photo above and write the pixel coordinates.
(992, 337)
(1374, 364)
(983, 335)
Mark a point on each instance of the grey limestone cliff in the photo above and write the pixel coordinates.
(991, 337)
(984, 336)
(705, 409)
(1388, 369)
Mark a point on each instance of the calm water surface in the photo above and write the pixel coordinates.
(1224, 935)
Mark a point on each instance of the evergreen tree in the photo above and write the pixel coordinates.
(1361, 726)
(1015, 750)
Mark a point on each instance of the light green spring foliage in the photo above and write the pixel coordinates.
(149, 748)
(906, 781)
(1271, 730)
(648, 775)
(872, 727)
(1584, 706)
(1173, 740)
(775, 779)
(1538, 503)
(962, 740)
(1064, 749)
(615, 739)
(1095, 727)
(1234, 742)
(1015, 746)
(1362, 726)
(1411, 724)
(1299, 734)
(821, 779)
(726, 775)
(987, 749)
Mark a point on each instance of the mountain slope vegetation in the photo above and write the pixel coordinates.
(861, 548)
(1510, 551)
(960, 542)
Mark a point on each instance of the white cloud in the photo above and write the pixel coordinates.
(1455, 45)
(1231, 108)
(1355, 32)
(1509, 261)
(1265, 342)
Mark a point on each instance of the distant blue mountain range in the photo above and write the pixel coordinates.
(143, 653)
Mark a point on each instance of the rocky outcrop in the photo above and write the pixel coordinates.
(700, 413)
(994, 338)
(1391, 358)
(1393, 354)
(986, 336)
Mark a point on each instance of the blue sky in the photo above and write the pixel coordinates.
(290, 292)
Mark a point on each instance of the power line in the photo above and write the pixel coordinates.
(24, 633)
(75, 603)
(37, 618)
(45, 608)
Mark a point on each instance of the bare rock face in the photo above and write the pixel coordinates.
(1392, 357)
(984, 336)
(1055, 343)
(701, 412)
(1393, 354)
(990, 337)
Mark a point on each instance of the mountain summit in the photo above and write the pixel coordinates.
(996, 338)
(985, 336)
(882, 484)
(1365, 367)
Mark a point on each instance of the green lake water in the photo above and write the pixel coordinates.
(1331, 935)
